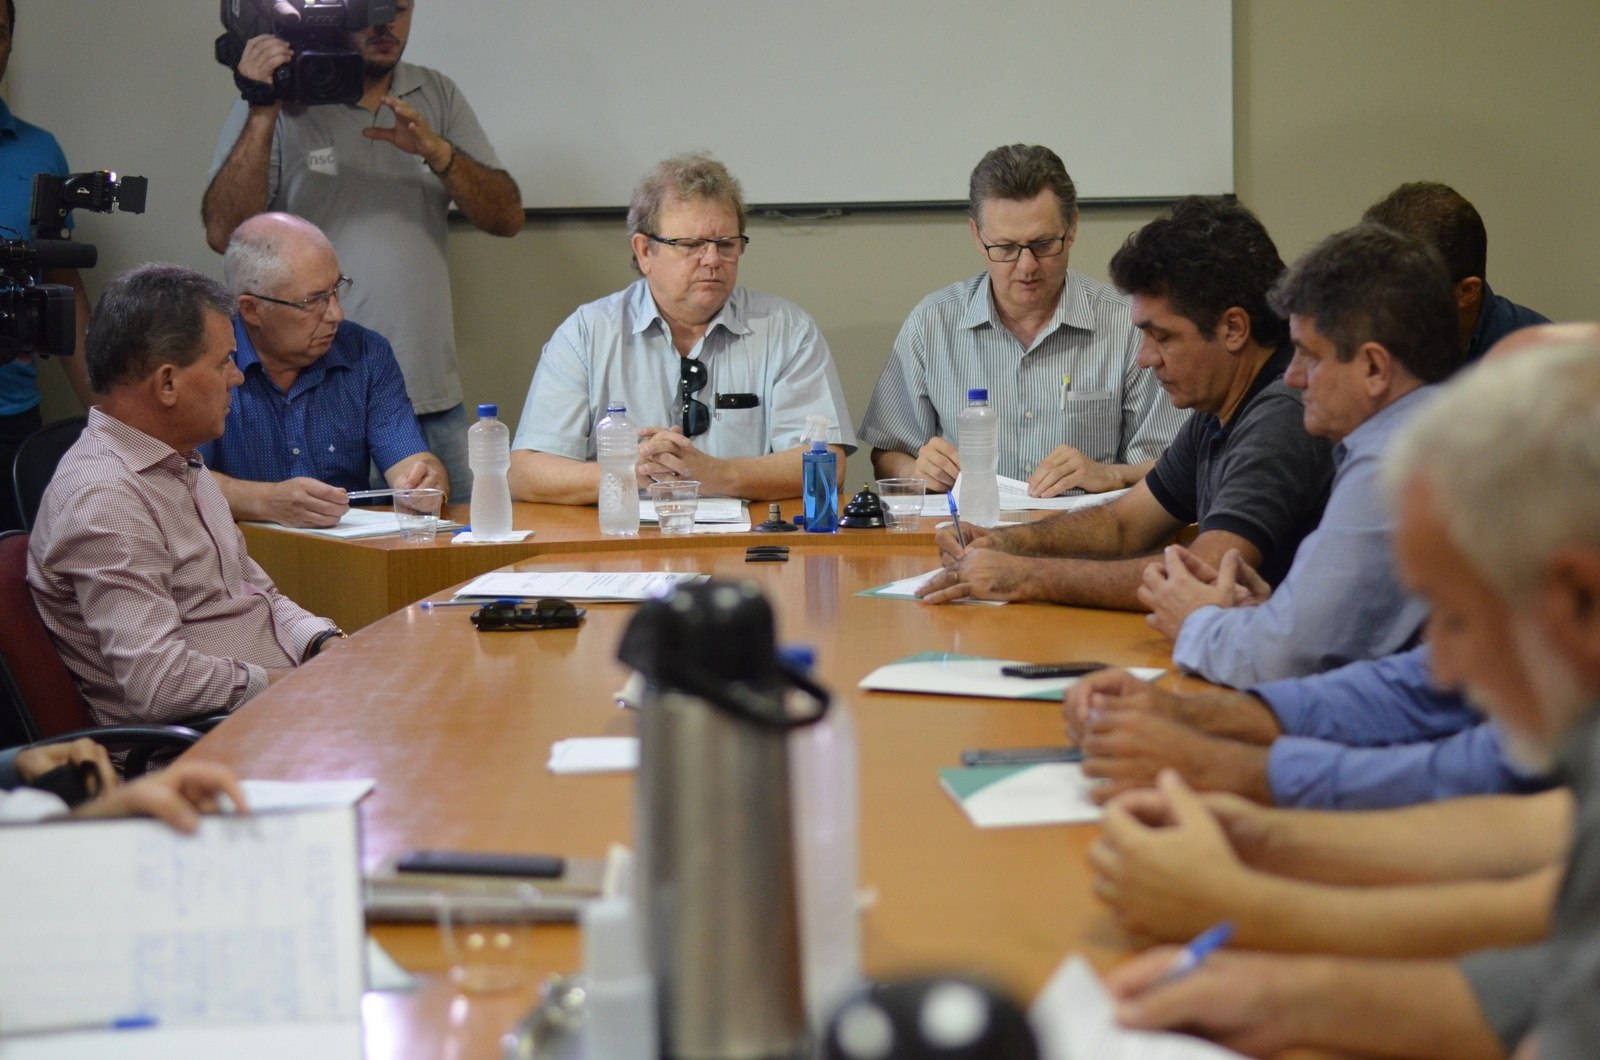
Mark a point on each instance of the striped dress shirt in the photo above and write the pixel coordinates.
(1113, 410)
(143, 580)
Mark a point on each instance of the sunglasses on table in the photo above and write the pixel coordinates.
(507, 616)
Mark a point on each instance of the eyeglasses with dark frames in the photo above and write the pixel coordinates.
(1039, 248)
(728, 247)
(505, 616)
(318, 301)
(692, 378)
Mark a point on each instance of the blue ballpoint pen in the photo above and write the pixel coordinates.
(1191, 956)
(961, 539)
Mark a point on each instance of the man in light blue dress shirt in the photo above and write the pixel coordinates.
(1373, 323)
(720, 380)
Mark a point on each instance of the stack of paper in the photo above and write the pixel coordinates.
(949, 674)
(590, 586)
(358, 523)
(1013, 796)
(1014, 498)
(710, 510)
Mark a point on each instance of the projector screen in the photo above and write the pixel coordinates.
(841, 102)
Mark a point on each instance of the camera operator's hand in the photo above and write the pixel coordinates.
(262, 56)
(413, 135)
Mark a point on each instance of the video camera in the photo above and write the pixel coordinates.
(40, 319)
(323, 69)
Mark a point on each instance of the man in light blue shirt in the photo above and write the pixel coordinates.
(1373, 322)
(1373, 734)
(721, 380)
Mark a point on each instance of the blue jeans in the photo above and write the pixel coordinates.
(446, 433)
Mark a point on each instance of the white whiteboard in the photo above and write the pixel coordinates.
(841, 101)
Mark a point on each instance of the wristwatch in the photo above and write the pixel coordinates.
(321, 639)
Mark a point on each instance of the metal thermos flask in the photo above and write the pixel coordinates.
(716, 867)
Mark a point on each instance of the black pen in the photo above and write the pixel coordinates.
(961, 539)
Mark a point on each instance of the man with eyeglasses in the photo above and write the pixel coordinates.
(720, 379)
(1055, 349)
(378, 177)
(322, 398)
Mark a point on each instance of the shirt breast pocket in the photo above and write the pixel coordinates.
(1090, 424)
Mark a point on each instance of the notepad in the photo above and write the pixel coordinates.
(586, 586)
(1016, 796)
(948, 674)
(254, 920)
(1073, 1019)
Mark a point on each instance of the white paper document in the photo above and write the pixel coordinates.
(254, 920)
(603, 586)
(906, 589)
(1014, 498)
(1016, 796)
(710, 510)
(1073, 1019)
(594, 754)
(949, 674)
(358, 523)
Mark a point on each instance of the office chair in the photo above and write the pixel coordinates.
(43, 703)
(36, 461)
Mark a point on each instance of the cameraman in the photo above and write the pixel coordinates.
(378, 177)
(25, 150)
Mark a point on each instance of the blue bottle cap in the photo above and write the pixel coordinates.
(616, 406)
(819, 446)
(977, 393)
(489, 410)
(802, 657)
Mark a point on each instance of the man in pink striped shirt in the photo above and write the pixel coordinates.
(135, 562)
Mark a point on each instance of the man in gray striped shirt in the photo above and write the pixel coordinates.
(1055, 349)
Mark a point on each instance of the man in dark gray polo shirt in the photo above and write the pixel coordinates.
(1510, 562)
(1243, 467)
(378, 177)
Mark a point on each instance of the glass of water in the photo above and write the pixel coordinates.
(676, 502)
(902, 502)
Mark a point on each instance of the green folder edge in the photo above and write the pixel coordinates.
(966, 781)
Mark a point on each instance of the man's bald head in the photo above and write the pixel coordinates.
(1546, 337)
(259, 252)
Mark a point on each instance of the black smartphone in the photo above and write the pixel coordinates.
(1019, 756)
(467, 863)
(1064, 669)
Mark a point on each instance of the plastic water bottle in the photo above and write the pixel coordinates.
(820, 487)
(979, 446)
(824, 769)
(620, 991)
(489, 454)
(616, 444)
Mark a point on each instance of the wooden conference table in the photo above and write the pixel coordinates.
(357, 582)
(456, 727)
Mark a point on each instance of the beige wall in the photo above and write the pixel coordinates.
(1336, 101)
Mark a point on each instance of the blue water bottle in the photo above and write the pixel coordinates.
(821, 488)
